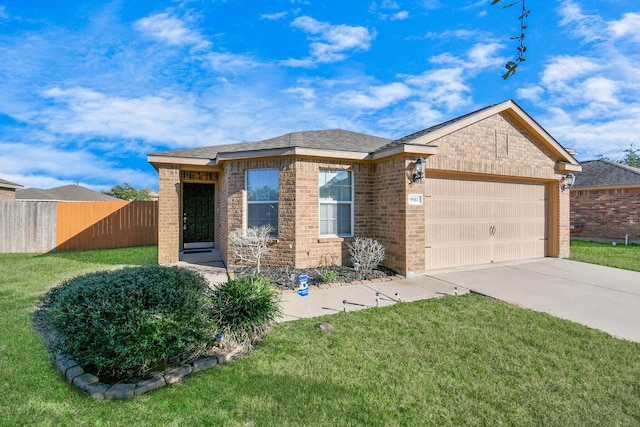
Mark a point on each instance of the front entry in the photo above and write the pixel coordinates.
(198, 201)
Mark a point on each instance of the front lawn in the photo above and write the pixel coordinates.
(619, 256)
(450, 361)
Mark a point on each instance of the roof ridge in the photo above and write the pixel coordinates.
(620, 165)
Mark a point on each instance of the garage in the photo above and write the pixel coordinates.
(473, 221)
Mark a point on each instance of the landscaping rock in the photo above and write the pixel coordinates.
(120, 391)
(150, 384)
(73, 372)
(176, 374)
(206, 363)
(95, 390)
(81, 381)
(64, 362)
(324, 326)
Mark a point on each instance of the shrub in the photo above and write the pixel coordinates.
(244, 308)
(250, 247)
(132, 321)
(366, 252)
(329, 275)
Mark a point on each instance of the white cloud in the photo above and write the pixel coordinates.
(229, 62)
(172, 30)
(377, 97)
(330, 43)
(274, 16)
(592, 100)
(400, 16)
(587, 27)
(530, 93)
(36, 165)
(167, 119)
(626, 28)
(3, 13)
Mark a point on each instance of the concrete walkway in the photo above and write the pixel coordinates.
(357, 297)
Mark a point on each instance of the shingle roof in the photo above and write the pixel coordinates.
(8, 184)
(604, 173)
(333, 139)
(69, 193)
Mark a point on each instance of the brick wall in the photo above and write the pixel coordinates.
(169, 224)
(7, 194)
(495, 146)
(606, 214)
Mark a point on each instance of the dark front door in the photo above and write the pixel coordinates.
(198, 210)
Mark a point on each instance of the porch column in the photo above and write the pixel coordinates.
(169, 215)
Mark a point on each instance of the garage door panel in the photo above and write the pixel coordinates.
(474, 222)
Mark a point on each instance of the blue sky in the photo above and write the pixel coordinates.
(89, 88)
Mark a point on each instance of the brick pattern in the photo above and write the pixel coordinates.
(496, 146)
(606, 214)
(476, 149)
(169, 224)
(7, 194)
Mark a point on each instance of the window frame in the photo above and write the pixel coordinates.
(350, 203)
(248, 202)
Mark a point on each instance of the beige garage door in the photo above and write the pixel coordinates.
(476, 222)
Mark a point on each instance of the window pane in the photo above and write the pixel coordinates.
(259, 214)
(344, 218)
(335, 185)
(328, 215)
(262, 185)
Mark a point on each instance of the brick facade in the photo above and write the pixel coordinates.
(606, 214)
(169, 224)
(495, 147)
(7, 194)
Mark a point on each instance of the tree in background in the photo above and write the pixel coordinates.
(127, 192)
(631, 157)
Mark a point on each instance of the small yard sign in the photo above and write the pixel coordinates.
(303, 289)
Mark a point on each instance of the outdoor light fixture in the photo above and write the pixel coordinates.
(568, 181)
(419, 169)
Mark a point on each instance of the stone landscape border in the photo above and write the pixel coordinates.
(91, 385)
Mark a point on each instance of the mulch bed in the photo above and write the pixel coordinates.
(287, 277)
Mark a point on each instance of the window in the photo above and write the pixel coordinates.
(262, 198)
(336, 203)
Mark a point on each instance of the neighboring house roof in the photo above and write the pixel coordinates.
(353, 145)
(66, 193)
(605, 173)
(8, 184)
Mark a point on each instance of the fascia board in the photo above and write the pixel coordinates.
(428, 150)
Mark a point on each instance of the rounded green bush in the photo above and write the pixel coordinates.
(244, 308)
(132, 321)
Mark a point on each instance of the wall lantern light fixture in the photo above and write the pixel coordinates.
(568, 181)
(420, 165)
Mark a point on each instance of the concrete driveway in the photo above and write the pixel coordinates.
(599, 297)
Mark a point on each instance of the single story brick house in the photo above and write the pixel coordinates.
(8, 189)
(605, 202)
(484, 187)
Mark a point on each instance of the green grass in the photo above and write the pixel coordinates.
(619, 256)
(452, 361)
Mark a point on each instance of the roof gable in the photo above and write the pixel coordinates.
(508, 108)
(605, 173)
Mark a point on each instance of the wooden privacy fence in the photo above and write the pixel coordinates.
(75, 226)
